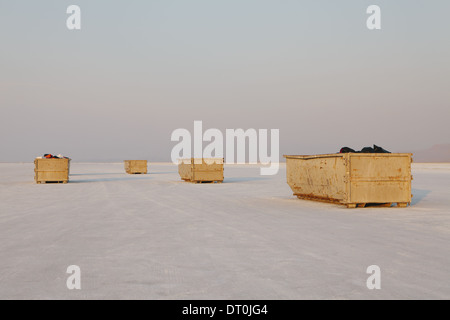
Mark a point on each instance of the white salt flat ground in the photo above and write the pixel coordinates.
(155, 237)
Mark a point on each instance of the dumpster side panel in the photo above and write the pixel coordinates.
(380, 167)
(320, 178)
(380, 178)
(212, 173)
(51, 170)
(208, 170)
(185, 169)
(380, 192)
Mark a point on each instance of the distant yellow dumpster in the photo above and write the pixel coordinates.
(201, 170)
(352, 179)
(135, 166)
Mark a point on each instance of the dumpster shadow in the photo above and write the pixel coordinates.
(135, 177)
(419, 195)
(96, 174)
(166, 172)
(243, 179)
(115, 173)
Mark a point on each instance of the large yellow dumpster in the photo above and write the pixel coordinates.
(352, 179)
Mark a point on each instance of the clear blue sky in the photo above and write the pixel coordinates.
(140, 69)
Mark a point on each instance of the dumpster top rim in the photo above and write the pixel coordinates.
(201, 160)
(48, 159)
(336, 155)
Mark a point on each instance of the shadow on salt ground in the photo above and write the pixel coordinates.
(243, 179)
(138, 177)
(115, 173)
(419, 195)
(166, 172)
(96, 174)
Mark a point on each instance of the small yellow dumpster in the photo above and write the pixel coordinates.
(135, 166)
(201, 170)
(51, 170)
